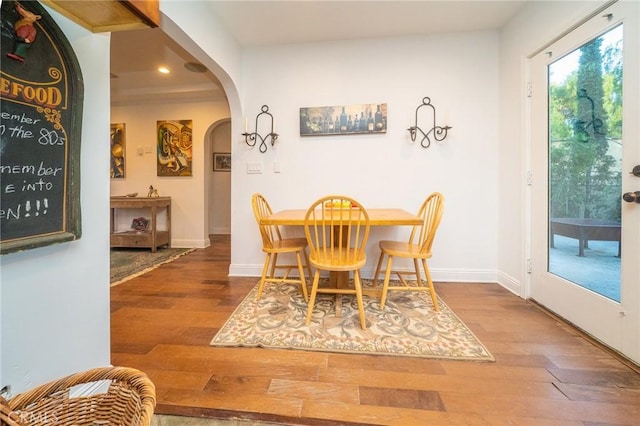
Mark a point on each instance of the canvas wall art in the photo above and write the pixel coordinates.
(118, 150)
(343, 119)
(175, 147)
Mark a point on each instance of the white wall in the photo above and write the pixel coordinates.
(55, 299)
(189, 217)
(459, 72)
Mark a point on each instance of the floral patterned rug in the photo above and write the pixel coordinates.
(408, 326)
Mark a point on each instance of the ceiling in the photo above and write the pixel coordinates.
(136, 55)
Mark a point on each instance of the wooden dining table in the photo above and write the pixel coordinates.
(377, 217)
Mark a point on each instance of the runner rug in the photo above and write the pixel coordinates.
(408, 326)
(127, 263)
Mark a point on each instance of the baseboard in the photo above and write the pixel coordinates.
(510, 284)
(220, 230)
(438, 275)
(177, 243)
(464, 275)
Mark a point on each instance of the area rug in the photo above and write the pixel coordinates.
(127, 263)
(408, 326)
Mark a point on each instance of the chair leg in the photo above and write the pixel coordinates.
(274, 262)
(358, 285)
(416, 266)
(375, 276)
(312, 298)
(265, 268)
(385, 286)
(307, 264)
(432, 289)
(303, 282)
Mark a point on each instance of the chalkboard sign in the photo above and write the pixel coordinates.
(41, 93)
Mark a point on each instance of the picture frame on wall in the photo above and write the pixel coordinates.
(221, 162)
(343, 119)
(118, 150)
(175, 147)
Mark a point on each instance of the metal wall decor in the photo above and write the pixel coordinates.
(251, 138)
(439, 133)
(587, 124)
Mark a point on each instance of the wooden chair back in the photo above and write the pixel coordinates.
(337, 230)
(431, 213)
(274, 245)
(261, 210)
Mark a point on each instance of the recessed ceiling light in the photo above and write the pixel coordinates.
(164, 70)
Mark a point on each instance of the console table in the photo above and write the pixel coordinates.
(151, 237)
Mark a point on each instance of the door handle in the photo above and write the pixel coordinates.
(635, 171)
(631, 197)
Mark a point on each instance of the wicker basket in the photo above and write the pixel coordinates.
(129, 401)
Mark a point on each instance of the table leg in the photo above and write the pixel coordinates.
(339, 280)
(154, 225)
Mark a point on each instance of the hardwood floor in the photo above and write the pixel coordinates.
(546, 372)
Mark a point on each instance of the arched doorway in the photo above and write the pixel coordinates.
(218, 145)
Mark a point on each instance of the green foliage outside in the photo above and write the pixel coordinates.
(585, 136)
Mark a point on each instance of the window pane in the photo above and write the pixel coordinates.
(585, 152)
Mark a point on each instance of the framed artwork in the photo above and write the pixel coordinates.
(118, 150)
(221, 162)
(343, 120)
(175, 147)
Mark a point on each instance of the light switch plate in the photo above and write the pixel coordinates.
(254, 167)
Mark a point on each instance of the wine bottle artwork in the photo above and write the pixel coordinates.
(343, 120)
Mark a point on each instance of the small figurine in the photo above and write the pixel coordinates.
(153, 193)
(25, 33)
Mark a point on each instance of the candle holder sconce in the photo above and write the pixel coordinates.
(251, 138)
(437, 132)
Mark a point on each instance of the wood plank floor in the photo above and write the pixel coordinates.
(546, 372)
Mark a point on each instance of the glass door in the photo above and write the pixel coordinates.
(585, 238)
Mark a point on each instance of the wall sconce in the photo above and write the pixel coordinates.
(251, 138)
(439, 133)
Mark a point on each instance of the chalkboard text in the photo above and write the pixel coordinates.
(45, 96)
(25, 210)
